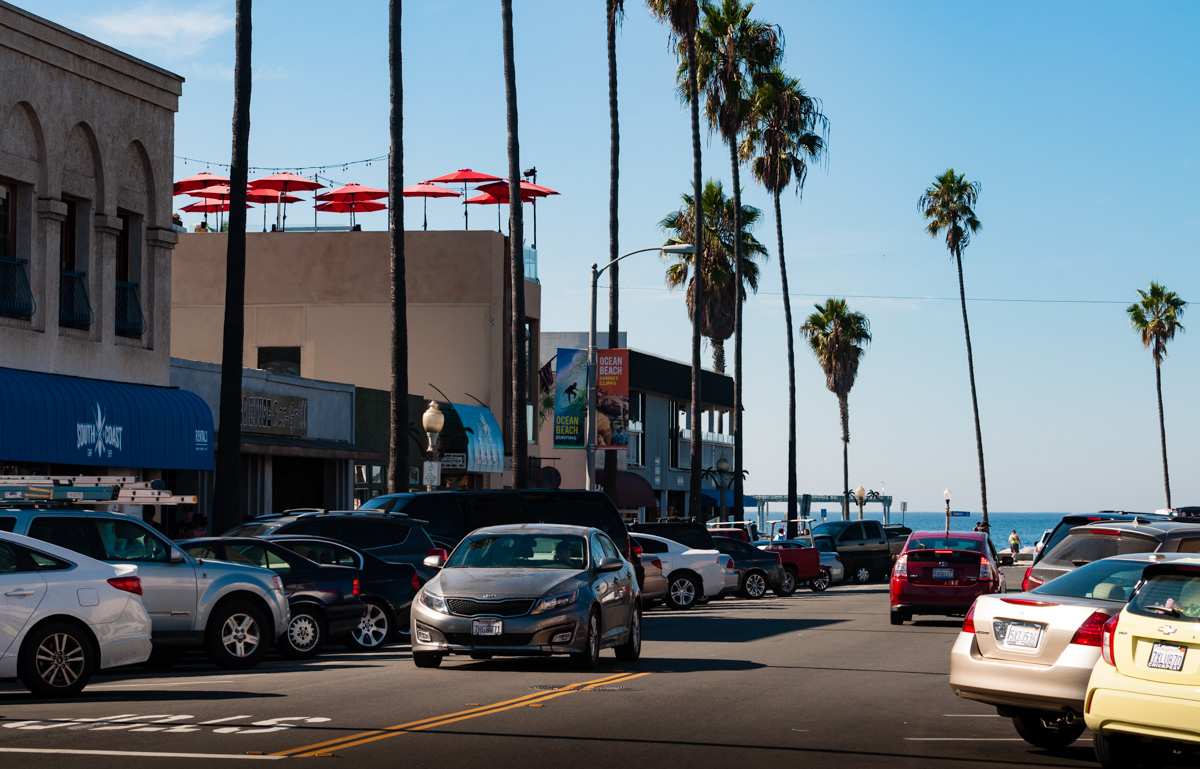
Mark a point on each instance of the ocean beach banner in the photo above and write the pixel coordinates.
(570, 398)
(612, 399)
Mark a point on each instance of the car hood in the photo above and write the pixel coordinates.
(503, 583)
(245, 571)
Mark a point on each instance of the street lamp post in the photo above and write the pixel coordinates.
(432, 422)
(860, 494)
(946, 494)
(597, 271)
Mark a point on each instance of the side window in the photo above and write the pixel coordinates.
(277, 563)
(247, 553)
(127, 541)
(7, 523)
(203, 550)
(651, 545)
(873, 530)
(1189, 545)
(852, 533)
(597, 549)
(43, 562)
(610, 550)
(303, 526)
(78, 534)
(445, 515)
(11, 561)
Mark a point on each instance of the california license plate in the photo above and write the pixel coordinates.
(943, 573)
(1166, 657)
(487, 627)
(1022, 635)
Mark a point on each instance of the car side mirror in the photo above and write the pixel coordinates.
(176, 556)
(610, 565)
(436, 558)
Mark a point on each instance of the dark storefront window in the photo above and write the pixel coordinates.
(637, 429)
(74, 307)
(280, 360)
(16, 299)
(129, 320)
(370, 481)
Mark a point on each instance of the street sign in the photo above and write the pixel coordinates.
(960, 513)
(431, 474)
(454, 460)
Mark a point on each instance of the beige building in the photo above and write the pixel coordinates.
(318, 305)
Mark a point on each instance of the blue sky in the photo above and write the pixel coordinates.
(1078, 118)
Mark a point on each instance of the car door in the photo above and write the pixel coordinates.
(875, 544)
(22, 589)
(850, 548)
(616, 598)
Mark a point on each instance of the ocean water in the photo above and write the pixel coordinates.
(1029, 526)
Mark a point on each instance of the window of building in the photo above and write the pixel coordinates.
(637, 430)
(74, 306)
(280, 360)
(129, 320)
(679, 427)
(369, 482)
(16, 299)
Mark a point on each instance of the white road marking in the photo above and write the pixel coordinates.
(139, 754)
(223, 720)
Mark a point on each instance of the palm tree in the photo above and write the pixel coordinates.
(718, 313)
(398, 448)
(682, 17)
(614, 11)
(731, 49)
(227, 502)
(839, 338)
(1156, 319)
(787, 133)
(949, 204)
(516, 256)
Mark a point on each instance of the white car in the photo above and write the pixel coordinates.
(63, 616)
(692, 575)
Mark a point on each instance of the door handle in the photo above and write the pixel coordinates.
(19, 593)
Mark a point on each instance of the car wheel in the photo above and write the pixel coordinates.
(589, 658)
(304, 634)
(632, 648)
(1048, 731)
(862, 575)
(754, 585)
(236, 636)
(787, 584)
(820, 583)
(1118, 751)
(427, 659)
(683, 592)
(374, 628)
(898, 617)
(56, 660)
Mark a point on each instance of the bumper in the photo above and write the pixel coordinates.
(281, 612)
(125, 640)
(1118, 703)
(655, 588)
(343, 618)
(936, 599)
(528, 635)
(1055, 687)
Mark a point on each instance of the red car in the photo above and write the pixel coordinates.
(938, 573)
(801, 561)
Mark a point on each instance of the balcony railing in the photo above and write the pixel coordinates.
(16, 298)
(130, 321)
(707, 437)
(74, 309)
(531, 264)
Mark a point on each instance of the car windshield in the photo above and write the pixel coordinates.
(1176, 596)
(945, 543)
(378, 503)
(831, 529)
(520, 551)
(1111, 579)
(824, 544)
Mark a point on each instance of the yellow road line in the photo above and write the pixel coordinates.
(374, 735)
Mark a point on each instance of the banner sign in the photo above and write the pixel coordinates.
(612, 399)
(570, 399)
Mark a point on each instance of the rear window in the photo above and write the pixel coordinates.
(1176, 596)
(945, 543)
(1086, 546)
(1109, 580)
(252, 529)
(652, 546)
(824, 544)
(7, 523)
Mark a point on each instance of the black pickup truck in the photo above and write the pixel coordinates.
(862, 546)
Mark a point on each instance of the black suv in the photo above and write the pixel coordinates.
(757, 569)
(1069, 522)
(862, 546)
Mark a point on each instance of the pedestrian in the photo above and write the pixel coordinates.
(781, 534)
(1014, 543)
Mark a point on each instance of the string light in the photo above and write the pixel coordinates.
(294, 169)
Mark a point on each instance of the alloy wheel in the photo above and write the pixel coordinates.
(60, 660)
(240, 635)
(755, 586)
(372, 629)
(304, 633)
(593, 639)
(821, 583)
(683, 592)
(789, 582)
(863, 575)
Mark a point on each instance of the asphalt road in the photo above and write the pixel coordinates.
(815, 680)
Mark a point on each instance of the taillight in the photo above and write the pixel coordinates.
(656, 563)
(415, 582)
(969, 621)
(732, 565)
(1029, 602)
(985, 570)
(1108, 640)
(128, 584)
(1029, 582)
(635, 548)
(1091, 632)
(355, 587)
(901, 567)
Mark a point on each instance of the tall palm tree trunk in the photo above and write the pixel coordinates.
(791, 366)
(718, 346)
(228, 505)
(516, 244)
(844, 409)
(696, 509)
(398, 416)
(1162, 430)
(962, 297)
(735, 422)
(614, 146)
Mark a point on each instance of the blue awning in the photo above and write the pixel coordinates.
(711, 495)
(56, 419)
(485, 440)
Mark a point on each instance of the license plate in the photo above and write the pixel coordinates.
(943, 573)
(487, 627)
(1022, 635)
(1166, 657)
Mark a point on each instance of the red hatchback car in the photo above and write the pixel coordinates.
(937, 573)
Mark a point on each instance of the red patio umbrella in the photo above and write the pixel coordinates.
(465, 176)
(530, 192)
(208, 206)
(222, 192)
(198, 182)
(427, 191)
(485, 199)
(351, 207)
(284, 183)
(352, 193)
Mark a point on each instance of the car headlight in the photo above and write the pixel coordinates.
(435, 602)
(555, 602)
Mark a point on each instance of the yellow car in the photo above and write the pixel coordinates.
(1143, 698)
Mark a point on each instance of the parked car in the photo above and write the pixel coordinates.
(758, 570)
(750, 528)
(692, 574)
(1030, 654)
(63, 616)
(741, 535)
(1091, 542)
(1143, 698)
(897, 535)
(943, 574)
(233, 611)
(323, 599)
(387, 589)
(801, 562)
(829, 558)
(1069, 522)
(530, 589)
(654, 580)
(694, 535)
(862, 546)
